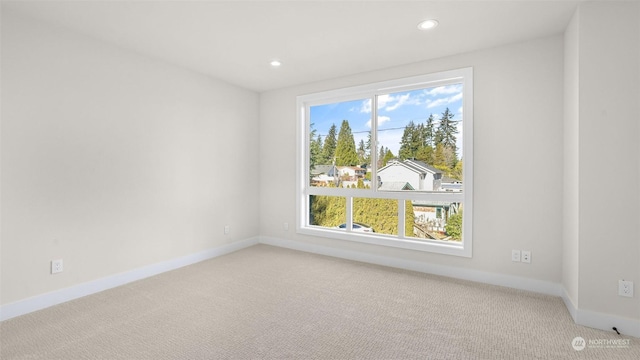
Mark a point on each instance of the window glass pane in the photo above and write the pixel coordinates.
(340, 144)
(380, 215)
(420, 139)
(435, 220)
(327, 211)
(416, 136)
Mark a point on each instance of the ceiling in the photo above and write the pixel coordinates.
(315, 40)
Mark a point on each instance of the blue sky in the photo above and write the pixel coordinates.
(395, 110)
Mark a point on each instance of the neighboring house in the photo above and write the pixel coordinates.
(322, 169)
(418, 174)
(322, 175)
(449, 184)
(353, 173)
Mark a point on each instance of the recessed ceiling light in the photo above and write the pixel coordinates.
(427, 24)
(275, 63)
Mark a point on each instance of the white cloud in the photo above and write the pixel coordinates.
(455, 97)
(390, 102)
(399, 101)
(443, 101)
(365, 108)
(384, 99)
(435, 103)
(381, 120)
(390, 139)
(445, 90)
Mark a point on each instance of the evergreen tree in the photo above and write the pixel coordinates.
(419, 142)
(319, 145)
(439, 158)
(328, 211)
(409, 142)
(409, 219)
(454, 226)
(362, 153)
(381, 155)
(456, 173)
(429, 132)
(444, 159)
(329, 148)
(425, 154)
(315, 149)
(367, 148)
(446, 136)
(447, 130)
(387, 156)
(346, 154)
(415, 142)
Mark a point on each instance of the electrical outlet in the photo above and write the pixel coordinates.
(625, 288)
(515, 255)
(285, 226)
(226, 229)
(526, 256)
(56, 266)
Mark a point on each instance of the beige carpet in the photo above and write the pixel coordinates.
(267, 302)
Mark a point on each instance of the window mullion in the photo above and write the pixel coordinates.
(349, 213)
(374, 143)
(401, 218)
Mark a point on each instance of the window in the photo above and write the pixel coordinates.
(389, 163)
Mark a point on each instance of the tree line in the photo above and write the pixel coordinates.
(434, 145)
(427, 142)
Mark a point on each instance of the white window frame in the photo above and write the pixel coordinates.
(304, 190)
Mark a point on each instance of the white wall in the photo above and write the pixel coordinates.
(604, 88)
(113, 161)
(571, 185)
(518, 119)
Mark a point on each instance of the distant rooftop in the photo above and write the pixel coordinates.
(395, 186)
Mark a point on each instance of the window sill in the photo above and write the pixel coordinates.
(454, 248)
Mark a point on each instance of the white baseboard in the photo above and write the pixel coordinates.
(573, 310)
(626, 326)
(596, 320)
(39, 302)
(515, 282)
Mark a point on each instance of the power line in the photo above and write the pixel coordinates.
(380, 130)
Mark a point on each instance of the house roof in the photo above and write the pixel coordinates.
(415, 165)
(322, 169)
(446, 179)
(357, 168)
(395, 186)
(422, 165)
